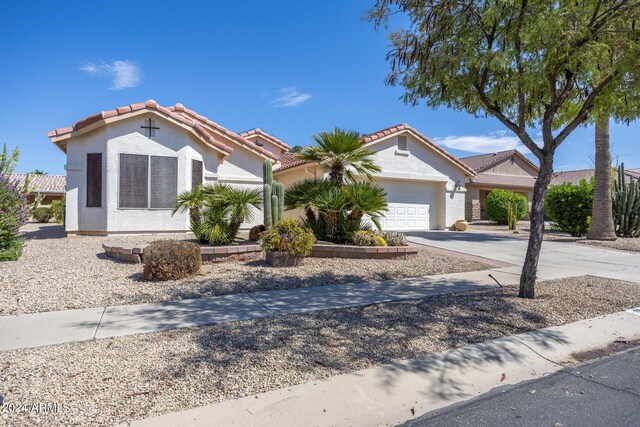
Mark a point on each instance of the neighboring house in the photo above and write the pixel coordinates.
(267, 141)
(509, 170)
(575, 176)
(425, 184)
(126, 166)
(51, 187)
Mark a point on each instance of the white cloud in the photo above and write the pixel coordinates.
(123, 74)
(290, 97)
(498, 141)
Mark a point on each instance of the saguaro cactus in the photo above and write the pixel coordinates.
(273, 196)
(626, 205)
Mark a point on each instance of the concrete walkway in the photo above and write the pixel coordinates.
(394, 393)
(557, 260)
(40, 329)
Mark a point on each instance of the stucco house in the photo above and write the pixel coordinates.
(125, 166)
(425, 184)
(509, 170)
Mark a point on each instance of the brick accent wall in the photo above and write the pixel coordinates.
(363, 252)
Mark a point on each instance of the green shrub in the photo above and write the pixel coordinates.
(394, 238)
(497, 206)
(12, 251)
(569, 206)
(365, 238)
(288, 235)
(42, 214)
(171, 260)
(57, 209)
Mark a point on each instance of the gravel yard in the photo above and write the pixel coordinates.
(57, 273)
(114, 380)
(629, 244)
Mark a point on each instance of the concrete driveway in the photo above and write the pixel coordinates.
(557, 259)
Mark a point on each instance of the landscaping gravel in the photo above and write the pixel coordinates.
(115, 380)
(621, 243)
(57, 273)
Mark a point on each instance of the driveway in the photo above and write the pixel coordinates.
(557, 259)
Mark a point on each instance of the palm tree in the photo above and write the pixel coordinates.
(341, 154)
(602, 226)
(237, 203)
(192, 200)
(366, 199)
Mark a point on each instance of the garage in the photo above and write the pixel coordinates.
(412, 205)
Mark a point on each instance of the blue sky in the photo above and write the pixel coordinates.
(292, 68)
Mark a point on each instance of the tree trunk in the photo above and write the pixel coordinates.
(602, 227)
(530, 267)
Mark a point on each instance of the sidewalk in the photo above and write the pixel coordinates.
(394, 393)
(40, 329)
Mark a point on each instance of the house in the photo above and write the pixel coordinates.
(425, 184)
(267, 141)
(509, 170)
(50, 187)
(125, 166)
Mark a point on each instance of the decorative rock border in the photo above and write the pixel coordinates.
(135, 254)
(363, 252)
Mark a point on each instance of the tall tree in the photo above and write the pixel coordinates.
(532, 64)
(602, 227)
(340, 153)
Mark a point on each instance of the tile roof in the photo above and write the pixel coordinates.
(372, 137)
(238, 139)
(149, 105)
(56, 184)
(575, 176)
(288, 161)
(260, 132)
(483, 161)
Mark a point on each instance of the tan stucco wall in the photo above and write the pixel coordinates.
(513, 165)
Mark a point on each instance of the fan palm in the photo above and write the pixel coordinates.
(237, 203)
(341, 154)
(193, 201)
(367, 199)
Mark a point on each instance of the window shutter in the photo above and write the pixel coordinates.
(134, 175)
(196, 173)
(402, 143)
(164, 182)
(94, 180)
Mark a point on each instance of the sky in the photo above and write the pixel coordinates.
(292, 68)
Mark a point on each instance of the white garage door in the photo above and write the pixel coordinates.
(412, 205)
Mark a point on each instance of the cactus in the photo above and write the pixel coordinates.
(626, 205)
(267, 172)
(266, 204)
(274, 208)
(512, 216)
(280, 200)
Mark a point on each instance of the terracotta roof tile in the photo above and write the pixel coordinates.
(260, 132)
(149, 105)
(41, 183)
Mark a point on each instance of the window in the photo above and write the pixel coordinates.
(196, 173)
(134, 181)
(402, 143)
(148, 181)
(94, 180)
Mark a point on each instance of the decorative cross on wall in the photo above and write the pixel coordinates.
(150, 128)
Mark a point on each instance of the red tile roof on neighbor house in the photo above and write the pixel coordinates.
(259, 132)
(291, 160)
(574, 177)
(481, 162)
(177, 113)
(51, 184)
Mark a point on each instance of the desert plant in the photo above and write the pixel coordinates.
(498, 202)
(14, 208)
(42, 214)
(570, 206)
(11, 251)
(365, 238)
(340, 152)
(290, 236)
(193, 201)
(272, 196)
(626, 205)
(394, 238)
(171, 260)
(57, 208)
(512, 216)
